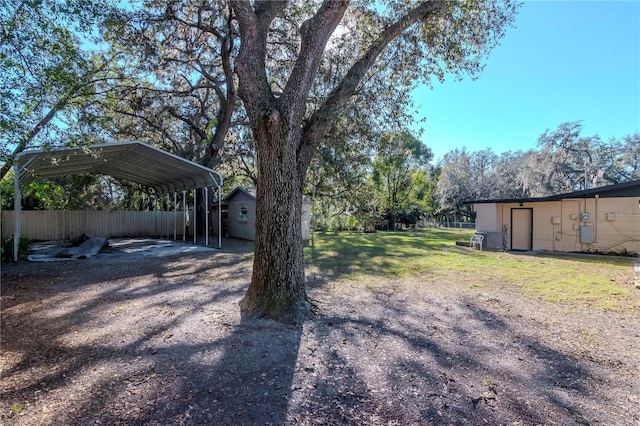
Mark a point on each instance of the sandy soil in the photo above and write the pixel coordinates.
(160, 341)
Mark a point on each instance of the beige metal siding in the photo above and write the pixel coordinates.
(64, 225)
(487, 217)
(571, 210)
(615, 223)
(504, 218)
(545, 231)
(618, 224)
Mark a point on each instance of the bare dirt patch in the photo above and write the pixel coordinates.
(161, 341)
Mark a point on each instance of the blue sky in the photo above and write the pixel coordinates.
(563, 61)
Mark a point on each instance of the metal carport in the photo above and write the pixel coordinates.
(133, 161)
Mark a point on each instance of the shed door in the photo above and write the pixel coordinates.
(521, 229)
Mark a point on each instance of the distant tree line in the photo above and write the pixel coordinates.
(396, 184)
(564, 161)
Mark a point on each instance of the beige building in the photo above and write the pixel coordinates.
(241, 214)
(605, 219)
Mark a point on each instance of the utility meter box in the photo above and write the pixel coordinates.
(586, 234)
(585, 217)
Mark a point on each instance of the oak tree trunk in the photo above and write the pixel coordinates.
(277, 287)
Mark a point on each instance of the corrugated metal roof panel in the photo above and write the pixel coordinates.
(132, 161)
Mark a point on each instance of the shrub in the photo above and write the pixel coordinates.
(7, 249)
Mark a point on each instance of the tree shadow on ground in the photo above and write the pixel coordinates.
(454, 365)
(142, 348)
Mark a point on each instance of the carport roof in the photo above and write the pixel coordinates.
(133, 161)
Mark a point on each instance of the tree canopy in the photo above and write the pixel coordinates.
(49, 74)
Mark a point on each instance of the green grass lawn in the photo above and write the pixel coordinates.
(604, 282)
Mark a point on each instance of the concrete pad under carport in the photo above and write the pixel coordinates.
(130, 248)
(153, 247)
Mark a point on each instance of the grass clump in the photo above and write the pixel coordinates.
(16, 409)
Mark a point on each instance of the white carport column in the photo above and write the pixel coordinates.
(175, 216)
(17, 209)
(219, 216)
(155, 215)
(206, 216)
(184, 216)
(165, 220)
(195, 209)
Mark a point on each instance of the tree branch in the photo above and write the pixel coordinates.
(226, 105)
(315, 33)
(322, 119)
(254, 26)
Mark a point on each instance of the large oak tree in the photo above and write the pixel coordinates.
(430, 37)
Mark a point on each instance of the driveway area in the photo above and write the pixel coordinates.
(144, 335)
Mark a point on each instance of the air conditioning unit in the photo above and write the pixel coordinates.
(494, 240)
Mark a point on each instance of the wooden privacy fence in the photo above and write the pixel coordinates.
(67, 224)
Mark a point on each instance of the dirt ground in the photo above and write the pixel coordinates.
(157, 341)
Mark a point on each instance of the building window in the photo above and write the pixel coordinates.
(243, 214)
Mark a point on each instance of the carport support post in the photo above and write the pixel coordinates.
(17, 208)
(195, 218)
(175, 216)
(155, 215)
(219, 217)
(184, 216)
(206, 216)
(166, 217)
